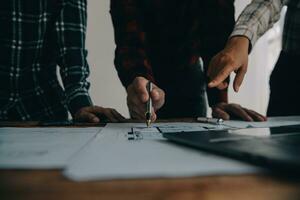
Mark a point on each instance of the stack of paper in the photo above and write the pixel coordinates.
(272, 122)
(120, 150)
(112, 155)
(41, 148)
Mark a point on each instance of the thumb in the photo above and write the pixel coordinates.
(239, 78)
(158, 98)
(219, 113)
(221, 76)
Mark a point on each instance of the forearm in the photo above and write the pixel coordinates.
(130, 55)
(74, 72)
(215, 95)
(257, 18)
(71, 32)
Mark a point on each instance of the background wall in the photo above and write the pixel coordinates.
(106, 89)
(254, 92)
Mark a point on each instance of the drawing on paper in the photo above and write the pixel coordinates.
(155, 132)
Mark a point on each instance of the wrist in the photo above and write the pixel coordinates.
(239, 43)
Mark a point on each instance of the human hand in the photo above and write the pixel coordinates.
(94, 114)
(234, 57)
(230, 111)
(137, 97)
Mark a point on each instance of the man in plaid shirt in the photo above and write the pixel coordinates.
(161, 41)
(258, 17)
(35, 37)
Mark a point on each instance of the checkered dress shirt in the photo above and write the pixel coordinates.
(37, 36)
(260, 15)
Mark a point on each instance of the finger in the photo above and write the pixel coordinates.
(158, 98)
(137, 112)
(136, 115)
(140, 88)
(97, 110)
(239, 78)
(153, 115)
(88, 117)
(136, 105)
(222, 86)
(94, 109)
(108, 113)
(133, 98)
(219, 113)
(140, 110)
(156, 94)
(221, 76)
(239, 112)
(117, 115)
(214, 64)
(256, 116)
(88, 109)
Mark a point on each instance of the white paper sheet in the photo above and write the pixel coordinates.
(272, 122)
(112, 155)
(41, 148)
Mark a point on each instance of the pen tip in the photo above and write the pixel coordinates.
(148, 123)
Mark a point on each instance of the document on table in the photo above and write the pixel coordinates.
(125, 151)
(272, 122)
(41, 148)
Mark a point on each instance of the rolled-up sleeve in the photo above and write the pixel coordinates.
(257, 18)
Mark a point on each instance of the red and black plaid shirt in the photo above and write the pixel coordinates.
(168, 35)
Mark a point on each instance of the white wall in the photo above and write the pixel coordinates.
(107, 91)
(254, 92)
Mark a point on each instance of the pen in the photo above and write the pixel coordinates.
(149, 105)
(216, 121)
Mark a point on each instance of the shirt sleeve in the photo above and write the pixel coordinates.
(71, 32)
(130, 54)
(257, 18)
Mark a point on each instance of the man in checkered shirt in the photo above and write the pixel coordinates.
(35, 37)
(258, 17)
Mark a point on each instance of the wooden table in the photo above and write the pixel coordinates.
(50, 184)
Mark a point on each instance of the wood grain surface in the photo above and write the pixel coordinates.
(48, 185)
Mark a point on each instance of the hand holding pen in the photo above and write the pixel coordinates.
(138, 96)
(149, 105)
